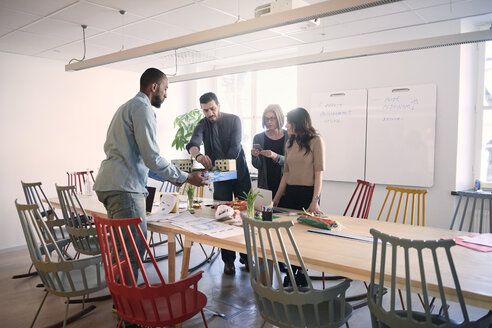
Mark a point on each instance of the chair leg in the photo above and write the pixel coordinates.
(401, 300)
(39, 309)
(204, 320)
(66, 312)
(25, 275)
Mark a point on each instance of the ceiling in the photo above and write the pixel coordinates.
(52, 29)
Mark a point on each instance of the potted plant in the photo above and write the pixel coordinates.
(250, 198)
(185, 123)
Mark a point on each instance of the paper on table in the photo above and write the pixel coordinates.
(161, 217)
(167, 202)
(484, 239)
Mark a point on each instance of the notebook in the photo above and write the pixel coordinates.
(266, 200)
(149, 201)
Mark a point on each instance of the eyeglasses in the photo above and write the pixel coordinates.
(270, 119)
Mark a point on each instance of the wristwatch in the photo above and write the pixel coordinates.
(318, 198)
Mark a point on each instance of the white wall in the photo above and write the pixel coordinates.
(440, 66)
(54, 121)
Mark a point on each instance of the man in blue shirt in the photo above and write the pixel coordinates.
(131, 149)
(221, 136)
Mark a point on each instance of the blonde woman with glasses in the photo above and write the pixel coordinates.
(269, 148)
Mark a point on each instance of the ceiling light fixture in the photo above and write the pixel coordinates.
(318, 10)
(395, 47)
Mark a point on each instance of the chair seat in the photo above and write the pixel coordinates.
(144, 315)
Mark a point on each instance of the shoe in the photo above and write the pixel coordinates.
(287, 282)
(301, 279)
(245, 262)
(283, 267)
(229, 268)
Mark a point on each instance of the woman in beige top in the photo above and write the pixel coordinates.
(304, 164)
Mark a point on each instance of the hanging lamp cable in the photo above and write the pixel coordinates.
(83, 38)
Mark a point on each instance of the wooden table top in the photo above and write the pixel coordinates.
(352, 258)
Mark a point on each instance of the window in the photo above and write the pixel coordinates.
(248, 94)
(484, 116)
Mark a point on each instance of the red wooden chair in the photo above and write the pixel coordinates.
(153, 304)
(77, 179)
(363, 196)
(358, 207)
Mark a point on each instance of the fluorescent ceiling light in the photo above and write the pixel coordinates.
(427, 43)
(322, 9)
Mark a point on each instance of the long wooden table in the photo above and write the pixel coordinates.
(341, 256)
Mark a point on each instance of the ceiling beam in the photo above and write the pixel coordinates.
(322, 9)
(395, 47)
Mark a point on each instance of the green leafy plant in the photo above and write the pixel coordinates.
(250, 198)
(185, 123)
(190, 191)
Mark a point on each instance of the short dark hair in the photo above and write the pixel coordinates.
(208, 97)
(151, 75)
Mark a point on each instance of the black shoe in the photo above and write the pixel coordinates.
(287, 282)
(229, 268)
(301, 279)
(245, 262)
(283, 267)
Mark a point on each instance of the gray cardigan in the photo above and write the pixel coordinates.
(259, 161)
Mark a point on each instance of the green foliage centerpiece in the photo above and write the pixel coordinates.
(190, 191)
(250, 198)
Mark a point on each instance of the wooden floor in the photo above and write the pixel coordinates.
(229, 295)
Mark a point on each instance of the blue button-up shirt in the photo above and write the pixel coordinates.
(131, 149)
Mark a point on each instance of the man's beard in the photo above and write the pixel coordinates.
(156, 101)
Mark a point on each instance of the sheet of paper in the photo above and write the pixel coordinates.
(199, 226)
(161, 217)
(484, 239)
(167, 202)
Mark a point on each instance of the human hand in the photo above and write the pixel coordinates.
(205, 161)
(196, 178)
(314, 207)
(269, 154)
(275, 202)
(255, 152)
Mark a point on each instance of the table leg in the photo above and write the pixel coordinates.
(171, 256)
(186, 258)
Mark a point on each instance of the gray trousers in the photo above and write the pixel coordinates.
(126, 205)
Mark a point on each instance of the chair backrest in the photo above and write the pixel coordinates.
(469, 219)
(414, 208)
(424, 261)
(77, 179)
(79, 225)
(35, 195)
(360, 202)
(288, 306)
(150, 304)
(198, 190)
(168, 187)
(60, 276)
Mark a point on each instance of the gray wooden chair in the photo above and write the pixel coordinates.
(288, 306)
(385, 314)
(469, 214)
(34, 194)
(61, 277)
(79, 225)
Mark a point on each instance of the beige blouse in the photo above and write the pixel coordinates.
(301, 167)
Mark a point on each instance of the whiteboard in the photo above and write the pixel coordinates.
(401, 135)
(340, 118)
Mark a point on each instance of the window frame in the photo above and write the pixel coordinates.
(480, 108)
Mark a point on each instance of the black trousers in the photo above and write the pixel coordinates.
(226, 190)
(298, 197)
